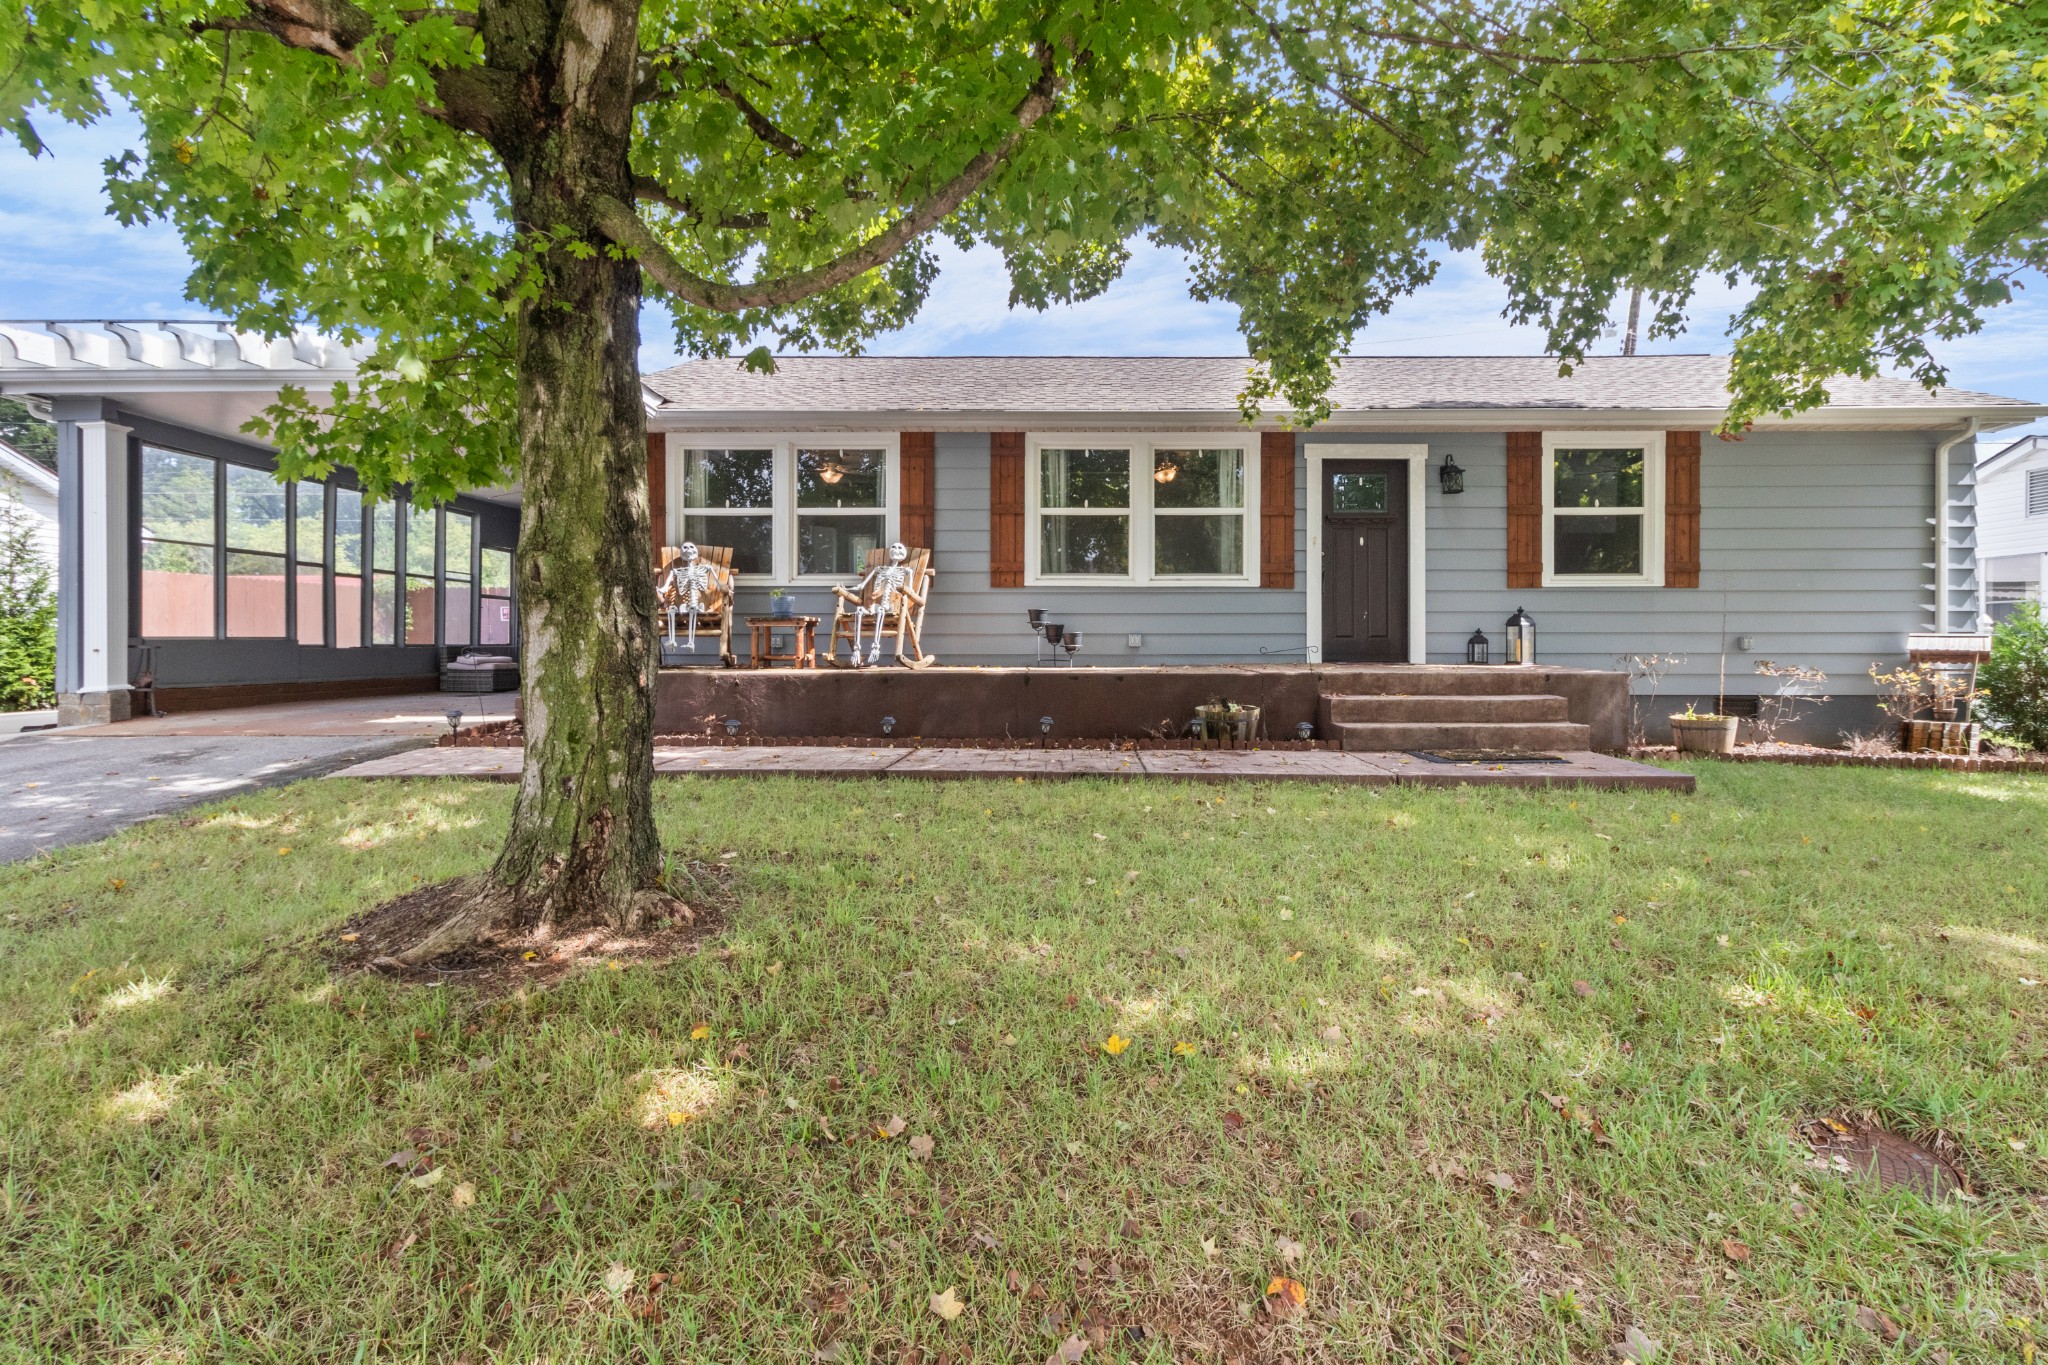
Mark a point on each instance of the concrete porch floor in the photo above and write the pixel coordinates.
(419, 714)
(1582, 769)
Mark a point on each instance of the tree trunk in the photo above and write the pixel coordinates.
(582, 842)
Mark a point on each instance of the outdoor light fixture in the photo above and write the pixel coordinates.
(455, 721)
(1477, 650)
(1045, 725)
(732, 727)
(1305, 731)
(888, 725)
(1521, 638)
(1450, 476)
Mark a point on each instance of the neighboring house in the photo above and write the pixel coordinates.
(33, 489)
(1124, 495)
(2012, 525)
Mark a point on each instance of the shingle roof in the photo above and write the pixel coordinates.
(1110, 385)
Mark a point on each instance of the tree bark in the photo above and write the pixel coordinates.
(582, 842)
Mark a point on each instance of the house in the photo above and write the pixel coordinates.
(31, 491)
(2012, 525)
(1122, 495)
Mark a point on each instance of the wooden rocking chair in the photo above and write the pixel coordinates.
(718, 557)
(906, 623)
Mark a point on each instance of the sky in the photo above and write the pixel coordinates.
(62, 256)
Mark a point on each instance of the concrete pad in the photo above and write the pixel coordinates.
(423, 713)
(500, 765)
(1581, 769)
(1322, 765)
(782, 758)
(1015, 763)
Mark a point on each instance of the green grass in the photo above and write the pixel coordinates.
(195, 1114)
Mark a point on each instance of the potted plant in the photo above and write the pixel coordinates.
(781, 605)
(1228, 721)
(1697, 733)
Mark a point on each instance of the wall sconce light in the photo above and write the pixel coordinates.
(888, 725)
(1478, 649)
(1449, 476)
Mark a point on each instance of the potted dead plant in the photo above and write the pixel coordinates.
(1228, 721)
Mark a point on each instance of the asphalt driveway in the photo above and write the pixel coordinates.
(73, 787)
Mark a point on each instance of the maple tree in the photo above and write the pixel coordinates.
(484, 191)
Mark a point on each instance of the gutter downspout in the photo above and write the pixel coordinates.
(1941, 530)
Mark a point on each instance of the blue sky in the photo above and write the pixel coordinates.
(61, 256)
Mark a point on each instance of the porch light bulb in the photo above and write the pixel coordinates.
(1166, 472)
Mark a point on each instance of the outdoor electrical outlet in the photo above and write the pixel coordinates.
(1135, 641)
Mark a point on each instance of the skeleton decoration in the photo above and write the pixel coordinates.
(886, 589)
(690, 587)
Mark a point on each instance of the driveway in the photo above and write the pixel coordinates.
(75, 786)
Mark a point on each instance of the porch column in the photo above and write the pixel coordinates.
(97, 518)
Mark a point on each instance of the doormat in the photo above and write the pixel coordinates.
(1484, 756)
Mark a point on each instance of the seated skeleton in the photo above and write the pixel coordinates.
(883, 593)
(693, 587)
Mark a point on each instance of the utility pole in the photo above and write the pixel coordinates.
(1635, 312)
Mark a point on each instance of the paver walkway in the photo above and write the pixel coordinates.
(1319, 765)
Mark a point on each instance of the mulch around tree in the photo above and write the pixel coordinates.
(521, 959)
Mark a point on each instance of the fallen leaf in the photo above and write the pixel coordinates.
(1360, 1221)
(1333, 1034)
(1284, 1297)
(700, 1033)
(1735, 1251)
(947, 1304)
(463, 1195)
(1115, 1044)
(1582, 988)
(1289, 1249)
(350, 938)
(618, 1279)
(405, 1159)
(1130, 1228)
(896, 1124)
(1501, 1181)
(921, 1146)
(1232, 1120)
(1876, 1323)
(1638, 1347)
(1185, 1049)
(1209, 1247)
(1294, 956)
(1070, 1352)
(429, 1180)
(1014, 1280)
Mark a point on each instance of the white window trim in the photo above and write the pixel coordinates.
(1652, 445)
(783, 510)
(1311, 515)
(1142, 446)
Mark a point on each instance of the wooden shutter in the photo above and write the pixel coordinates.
(657, 490)
(1276, 509)
(917, 477)
(1525, 509)
(1006, 509)
(1681, 509)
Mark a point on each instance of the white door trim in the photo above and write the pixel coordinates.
(1417, 457)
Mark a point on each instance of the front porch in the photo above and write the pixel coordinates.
(1361, 708)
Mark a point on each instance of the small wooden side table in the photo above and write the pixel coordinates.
(803, 649)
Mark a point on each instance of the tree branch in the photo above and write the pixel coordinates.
(763, 127)
(648, 188)
(624, 227)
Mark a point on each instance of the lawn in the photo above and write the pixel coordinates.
(1489, 1076)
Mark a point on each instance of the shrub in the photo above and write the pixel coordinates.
(2014, 684)
(28, 614)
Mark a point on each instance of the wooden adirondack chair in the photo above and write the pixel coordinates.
(669, 602)
(906, 623)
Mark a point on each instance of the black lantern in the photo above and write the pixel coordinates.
(1449, 476)
(1477, 649)
(1521, 638)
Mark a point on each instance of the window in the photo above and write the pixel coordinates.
(1198, 512)
(255, 554)
(419, 575)
(1157, 509)
(458, 593)
(179, 530)
(383, 530)
(309, 554)
(729, 499)
(2037, 492)
(789, 507)
(1603, 513)
(348, 568)
(841, 508)
(496, 624)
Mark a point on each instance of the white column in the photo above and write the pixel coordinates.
(103, 560)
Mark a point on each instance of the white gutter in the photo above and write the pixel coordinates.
(1941, 494)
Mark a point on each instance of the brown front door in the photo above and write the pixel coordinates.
(1365, 561)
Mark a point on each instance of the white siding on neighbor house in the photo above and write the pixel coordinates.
(2012, 545)
(1813, 543)
(37, 503)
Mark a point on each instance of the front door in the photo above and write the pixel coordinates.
(1365, 561)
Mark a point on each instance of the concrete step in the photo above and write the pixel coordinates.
(1435, 680)
(1397, 736)
(1531, 707)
